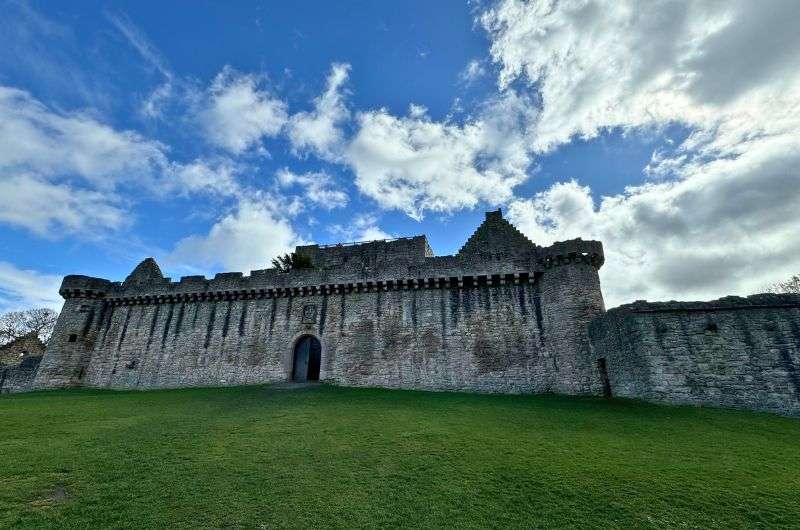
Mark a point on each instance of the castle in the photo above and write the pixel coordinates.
(502, 315)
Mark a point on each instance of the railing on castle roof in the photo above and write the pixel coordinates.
(354, 243)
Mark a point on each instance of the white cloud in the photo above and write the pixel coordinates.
(722, 218)
(69, 173)
(472, 71)
(415, 164)
(729, 229)
(319, 187)
(21, 289)
(59, 172)
(236, 114)
(209, 176)
(51, 209)
(243, 240)
(49, 56)
(319, 130)
(40, 141)
(363, 227)
(604, 64)
(152, 105)
(139, 41)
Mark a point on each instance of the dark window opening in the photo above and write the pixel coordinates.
(712, 327)
(601, 365)
(73, 338)
(307, 356)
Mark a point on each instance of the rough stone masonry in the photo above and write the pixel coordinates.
(733, 352)
(502, 315)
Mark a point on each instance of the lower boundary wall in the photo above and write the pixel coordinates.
(19, 378)
(733, 352)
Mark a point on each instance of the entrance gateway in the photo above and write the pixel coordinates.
(307, 354)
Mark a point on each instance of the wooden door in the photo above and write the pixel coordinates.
(301, 351)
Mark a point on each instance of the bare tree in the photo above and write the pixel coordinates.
(16, 324)
(792, 285)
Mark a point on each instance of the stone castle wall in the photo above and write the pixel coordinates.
(19, 378)
(495, 317)
(733, 352)
(502, 315)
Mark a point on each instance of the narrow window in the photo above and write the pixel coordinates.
(73, 338)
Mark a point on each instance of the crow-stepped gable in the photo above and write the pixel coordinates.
(502, 315)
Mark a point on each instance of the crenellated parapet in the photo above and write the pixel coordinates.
(77, 286)
(728, 303)
(501, 315)
(230, 294)
(572, 251)
(403, 250)
(399, 264)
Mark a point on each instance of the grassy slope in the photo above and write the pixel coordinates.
(257, 457)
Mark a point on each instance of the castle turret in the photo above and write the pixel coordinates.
(70, 347)
(569, 290)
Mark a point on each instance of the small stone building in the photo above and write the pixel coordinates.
(14, 352)
(19, 361)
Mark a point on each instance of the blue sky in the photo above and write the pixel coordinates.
(213, 136)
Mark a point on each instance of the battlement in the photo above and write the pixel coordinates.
(572, 251)
(410, 249)
(496, 253)
(75, 285)
(490, 318)
(728, 303)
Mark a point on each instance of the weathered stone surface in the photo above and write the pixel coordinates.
(732, 352)
(19, 378)
(19, 360)
(503, 315)
(17, 350)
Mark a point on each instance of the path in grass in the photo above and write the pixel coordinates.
(260, 457)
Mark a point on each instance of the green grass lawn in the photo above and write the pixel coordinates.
(261, 457)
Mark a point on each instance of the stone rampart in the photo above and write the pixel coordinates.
(386, 313)
(732, 352)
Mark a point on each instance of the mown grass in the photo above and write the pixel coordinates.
(261, 457)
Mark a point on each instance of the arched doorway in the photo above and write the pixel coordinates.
(307, 354)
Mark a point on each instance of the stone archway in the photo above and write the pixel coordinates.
(307, 357)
